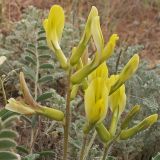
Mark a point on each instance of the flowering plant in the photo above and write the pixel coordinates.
(101, 90)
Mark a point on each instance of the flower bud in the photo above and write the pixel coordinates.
(85, 38)
(51, 113)
(130, 116)
(126, 73)
(103, 132)
(109, 48)
(74, 91)
(147, 122)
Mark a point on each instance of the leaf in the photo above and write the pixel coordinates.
(47, 66)
(30, 59)
(31, 157)
(31, 45)
(45, 56)
(46, 153)
(6, 155)
(111, 158)
(30, 51)
(41, 38)
(4, 114)
(10, 121)
(45, 96)
(157, 157)
(3, 111)
(6, 143)
(41, 32)
(42, 47)
(22, 149)
(29, 72)
(46, 78)
(8, 133)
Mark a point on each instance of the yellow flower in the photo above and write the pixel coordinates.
(79, 50)
(117, 100)
(101, 71)
(129, 69)
(97, 34)
(96, 101)
(109, 48)
(28, 106)
(53, 26)
(99, 58)
(23, 108)
(19, 107)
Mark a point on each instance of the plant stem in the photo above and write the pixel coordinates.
(37, 73)
(3, 91)
(109, 144)
(67, 117)
(106, 150)
(83, 147)
(34, 132)
(89, 145)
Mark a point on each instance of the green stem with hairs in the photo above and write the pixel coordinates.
(106, 150)
(83, 147)
(3, 91)
(89, 145)
(67, 117)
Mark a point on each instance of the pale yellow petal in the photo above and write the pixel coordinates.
(101, 71)
(109, 48)
(96, 100)
(118, 98)
(97, 34)
(57, 18)
(19, 107)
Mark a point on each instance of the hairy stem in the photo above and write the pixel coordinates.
(83, 147)
(106, 150)
(37, 72)
(89, 145)
(34, 132)
(67, 118)
(109, 144)
(3, 91)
